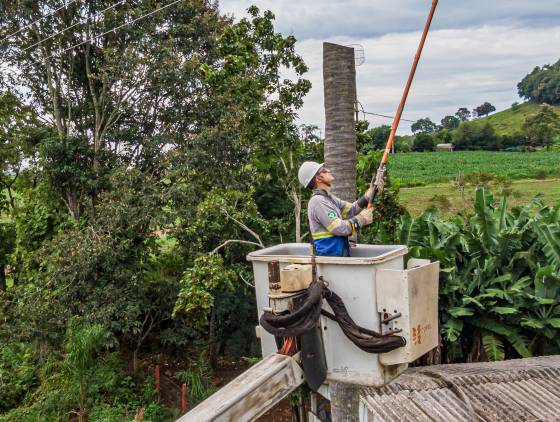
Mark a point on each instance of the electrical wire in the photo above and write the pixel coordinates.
(38, 20)
(384, 115)
(113, 29)
(377, 114)
(72, 26)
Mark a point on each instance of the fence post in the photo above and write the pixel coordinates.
(184, 398)
(157, 379)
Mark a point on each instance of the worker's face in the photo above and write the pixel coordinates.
(324, 175)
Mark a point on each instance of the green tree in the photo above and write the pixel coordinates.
(379, 136)
(133, 91)
(463, 114)
(251, 118)
(484, 109)
(476, 135)
(450, 122)
(17, 373)
(227, 225)
(424, 125)
(443, 136)
(19, 132)
(424, 142)
(371, 139)
(542, 85)
(541, 128)
(404, 143)
(82, 343)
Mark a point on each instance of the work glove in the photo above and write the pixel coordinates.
(368, 194)
(365, 217)
(379, 180)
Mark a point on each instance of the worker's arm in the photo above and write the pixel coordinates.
(328, 217)
(349, 210)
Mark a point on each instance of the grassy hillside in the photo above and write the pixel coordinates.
(509, 121)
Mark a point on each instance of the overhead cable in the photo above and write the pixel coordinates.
(384, 115)
(377, 114)
(114, 29)
(38, 20)
(72, 26)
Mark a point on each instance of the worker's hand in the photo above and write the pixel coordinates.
(365, 217)
(379, 180)
(368, 194)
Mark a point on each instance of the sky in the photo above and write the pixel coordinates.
(476, 50)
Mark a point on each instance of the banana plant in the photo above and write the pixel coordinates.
(500, 276)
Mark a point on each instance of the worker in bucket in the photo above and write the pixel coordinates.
(332, 220)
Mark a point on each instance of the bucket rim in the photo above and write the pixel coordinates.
(270, 254)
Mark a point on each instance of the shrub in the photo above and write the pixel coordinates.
(424, 142)
(198, 377)
(499, 279)
(540, 174)
(17, 374)
(476, 135)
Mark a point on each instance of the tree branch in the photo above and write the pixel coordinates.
(251, 232)
(245, 281)
(247, 242)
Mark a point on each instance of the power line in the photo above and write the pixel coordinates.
(376, 114)
(384, 115)
(72, 26)
(114, 29)
(38, 20)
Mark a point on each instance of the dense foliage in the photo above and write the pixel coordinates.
(484, 109)
(139, 168)
(542, 85)
(500, 278)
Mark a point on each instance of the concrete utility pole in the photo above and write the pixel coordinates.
(339, 78)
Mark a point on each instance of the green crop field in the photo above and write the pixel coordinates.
(425, 168)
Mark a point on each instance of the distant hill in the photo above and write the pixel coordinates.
(509, 121)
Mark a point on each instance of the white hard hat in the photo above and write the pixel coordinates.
(307, 172)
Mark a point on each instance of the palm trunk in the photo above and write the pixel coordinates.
(339, 75)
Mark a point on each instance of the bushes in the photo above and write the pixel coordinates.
(542, 85)
(424, 142)
(500, 277)
(85, 383)
(476, 135)
(17, 373)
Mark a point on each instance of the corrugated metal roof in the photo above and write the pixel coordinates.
(514, 390)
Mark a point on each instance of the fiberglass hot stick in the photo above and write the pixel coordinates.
(398, 114)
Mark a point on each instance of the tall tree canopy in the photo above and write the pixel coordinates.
(542, 85)
(541, 128)
(424, 125)
(125, 95)
(484, 109)
(450, 122)
(463, 114)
